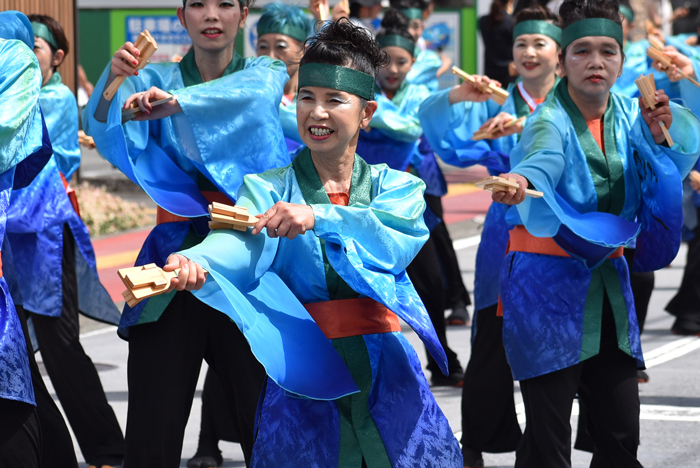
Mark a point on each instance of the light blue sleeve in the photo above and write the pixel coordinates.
(424, 69)
(388, 234)
(282, 334)
(449, 130)
(61, 115)
(21, 129)
(400, 122)
(288, 120)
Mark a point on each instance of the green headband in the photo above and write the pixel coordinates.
(413, 13)
(43, 31)
(591, 27)
(627, 13)
(398, 41)
(295, 32)
(345, 79)
(538, 27)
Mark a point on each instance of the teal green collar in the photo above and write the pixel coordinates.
(521, 107)
(54, 80)
(315, 194)
(190, 72)
(606, 169)
(400, 93)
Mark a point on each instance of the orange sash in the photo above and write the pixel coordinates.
(352, 317)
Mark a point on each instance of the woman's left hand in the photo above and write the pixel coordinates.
(145, 99)
(662, 113)
(286, 220)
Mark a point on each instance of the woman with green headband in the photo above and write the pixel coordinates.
(220, 124)
(392, 138)
(319, 284)
(608, 177)
(449, 119)
(44, 222)
(282, 30)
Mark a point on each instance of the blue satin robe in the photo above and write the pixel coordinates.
(21, 135)
(261, 283)
(395, 129)
(288, 120)
(36, 218)
(551, 304)
(228, 128)
(449, 130)
(424, 69)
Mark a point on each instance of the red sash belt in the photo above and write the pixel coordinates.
(72, 196)
(164, 216)
(353, 317)
(522, 241)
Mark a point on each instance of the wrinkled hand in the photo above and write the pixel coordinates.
(470, 92)
(662, 113)
(681, 64)
(498, 123)
(124, 60)
(511, 196)
(286, 220)
(144, 100)
(191, 276)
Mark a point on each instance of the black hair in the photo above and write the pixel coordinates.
(572, 11)
(343, 43)
(395, 22)
(405, 4)
(57, 31)
(538, 13)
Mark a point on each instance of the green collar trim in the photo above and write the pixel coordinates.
(398, 41)
(345, 79)
(606, 169)
(190, 72)
(54, 80)
(43, 31)
(400, 93)
(591, 27)
(413, 13)
(295, 32)
(627, 13)
(538, 27)
(315, 194)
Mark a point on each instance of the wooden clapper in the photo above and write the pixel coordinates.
(498, 94)
(147, 47)
(647, 88)
(230, 217)
(656, 53)
(500, 184)
(483, 135)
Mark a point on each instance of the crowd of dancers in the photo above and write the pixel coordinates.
(330, 135)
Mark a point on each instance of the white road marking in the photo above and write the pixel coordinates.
(466, 242)
(672, 350)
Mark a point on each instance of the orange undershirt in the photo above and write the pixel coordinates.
(596, 129)
(339, 198)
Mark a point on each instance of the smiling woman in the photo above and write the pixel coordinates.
(319, 296)
(221, 124)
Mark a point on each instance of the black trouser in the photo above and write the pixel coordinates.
(489, 421)
(216, 425)
(426, 276)
(164, 362)
(74, 376)
(455, 291)
(607, 386)
(686, 303)
(20, 435)
(56, 443)
(642, 286)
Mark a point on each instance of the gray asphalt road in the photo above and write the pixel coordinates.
(670, 426)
